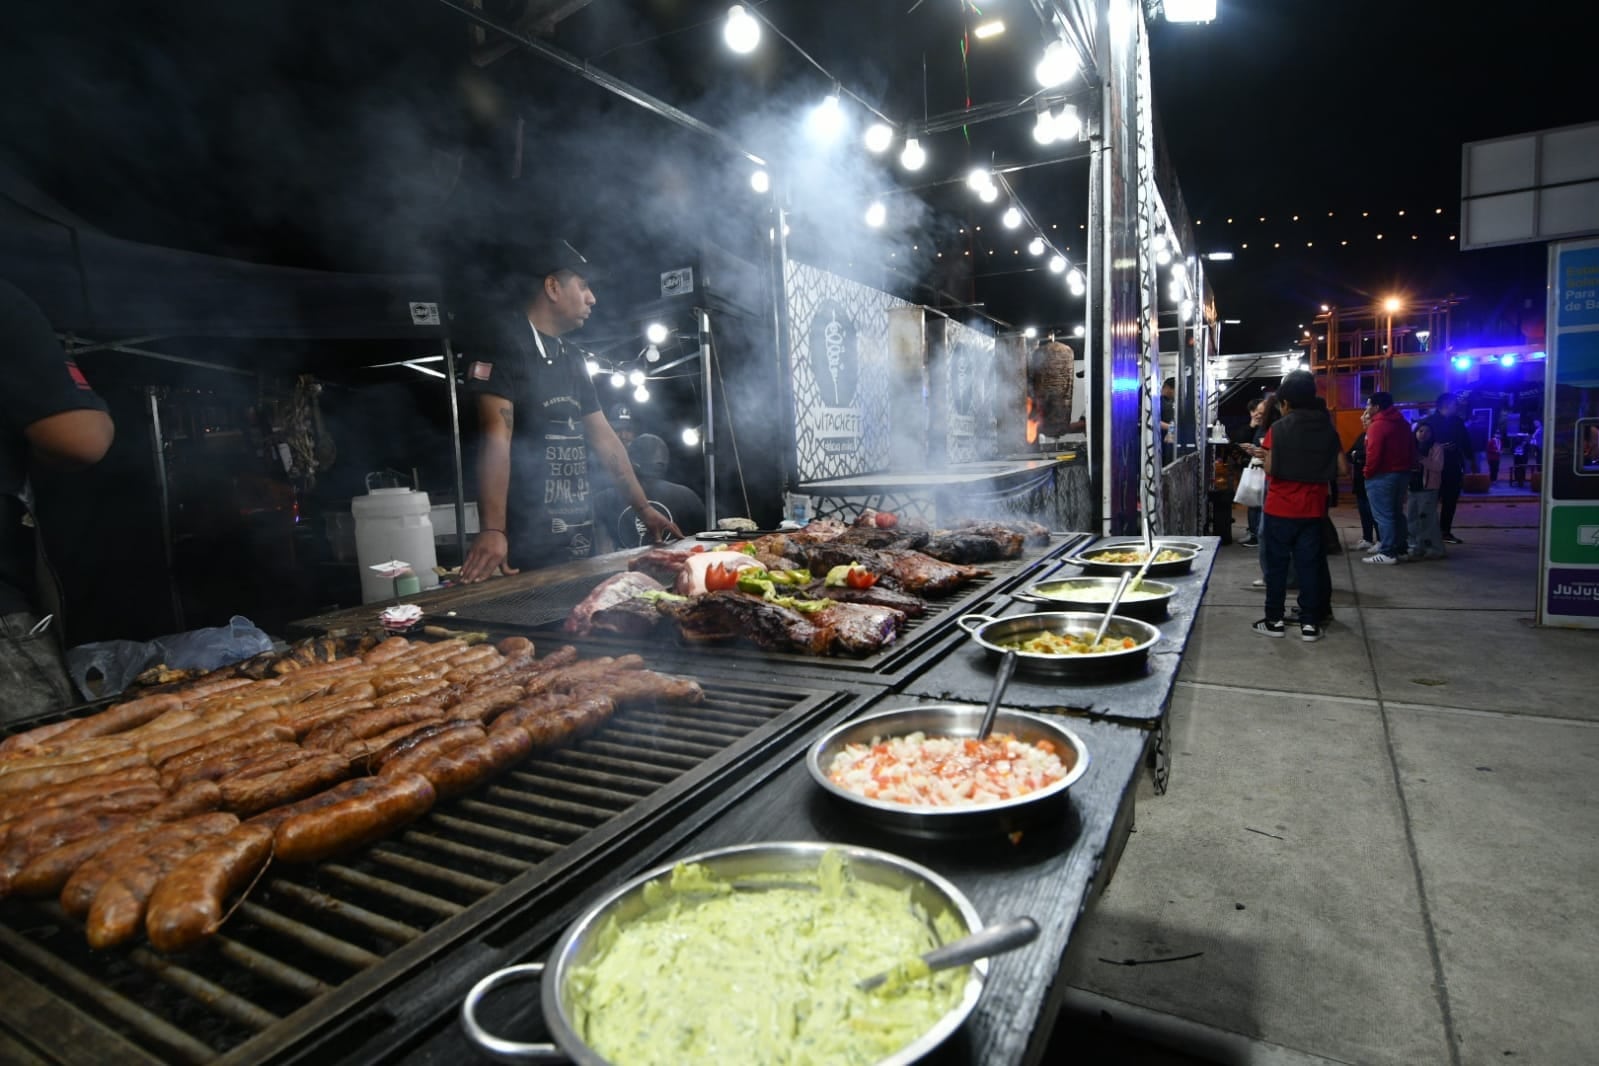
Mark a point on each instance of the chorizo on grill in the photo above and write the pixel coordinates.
(119, 907)
(186, 905)
(485, 705)
(122, 717)
(412, 752)
(256, 794)
(354, 820)
(84, 884)
(466, 767)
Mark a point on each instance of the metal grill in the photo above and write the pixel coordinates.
(531, 607)
(304, 931)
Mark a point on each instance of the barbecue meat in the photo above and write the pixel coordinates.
(724, 614)
(976, 545)
(691, 579)
(912, 571)
(872, 537)
(876, 596)
(617, 606)
(858, 628)
(1032, 533)
(663, 564)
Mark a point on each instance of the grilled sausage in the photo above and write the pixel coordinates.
(515, 647)
(356, 786)
(484, 706)
(567, 677)
(427, 653)
(204, 689)
(167, 755)
(30, 741)
(476, 653)
(355, 820)
(335, 735)
(18, 853)
(256, 794)
(16, 806)
(122, 717)
(412, 752)
(28, 780)
(118, 910)
(464, 768)
(186, 905)
(130, 799)
(226, 763)
(388, 651)
(85, 883)
(415, 693)
(236, 739)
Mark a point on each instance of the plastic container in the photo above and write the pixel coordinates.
(393, 524)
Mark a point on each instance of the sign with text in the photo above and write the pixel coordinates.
(1568, 593)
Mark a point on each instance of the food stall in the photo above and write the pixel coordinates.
(368, 953)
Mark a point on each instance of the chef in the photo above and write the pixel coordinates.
(49, 417)
(541, 422)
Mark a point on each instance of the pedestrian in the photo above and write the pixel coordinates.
(1426, 476)
(1389, 449)
(1271, 412)
(1449, 430)
(1302, 455)
(1493, 450)
(1257, 427)
(1357, 483)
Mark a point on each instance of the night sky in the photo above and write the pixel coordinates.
(357, 136)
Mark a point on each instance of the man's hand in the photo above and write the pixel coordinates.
(659, 525)
(486, 558)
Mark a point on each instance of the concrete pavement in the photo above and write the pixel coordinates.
(1379, 848)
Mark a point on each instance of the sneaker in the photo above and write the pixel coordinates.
(1450, 538)
(1381, 559)
(1250, 542)
(1258, 583)
(1270, 628)
(1362, 545)
(1309, 632)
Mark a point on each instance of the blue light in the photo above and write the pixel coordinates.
(1123, 384)
(1536, 355)
(1508, 359)
(1462, 362)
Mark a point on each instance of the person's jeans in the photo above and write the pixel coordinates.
(1253, 521)
(1368, 524)
(1387, 495)
(1295, 543)
(1426, 538)
(32, 673)
(1449, 496)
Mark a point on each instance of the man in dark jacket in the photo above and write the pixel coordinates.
(1303, 454)
(1449, 430)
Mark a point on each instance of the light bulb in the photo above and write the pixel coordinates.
(1012, 218)
(988, 194)
(1077, 330)
(742, 33)
(691, 436)
(879, 137)
(652, 354)
(1067, 124)
(827, 118)
(1075, 279)
(1057, 66)
(1035, 246)
(1030, 332)
(656, 333)
(641, 395)
(1057, 264)
(978, 179)
(914, 154)
(1186, 309)
(1162, 257)
(635, 378)
(591, 366)
(760, 181)
(1044, 128)
(618, 379)
(876, 215)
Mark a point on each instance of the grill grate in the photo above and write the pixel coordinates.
(305, 931)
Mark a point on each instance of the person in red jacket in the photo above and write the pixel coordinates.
(1390, 453)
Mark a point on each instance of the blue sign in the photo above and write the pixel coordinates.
(1576, 285)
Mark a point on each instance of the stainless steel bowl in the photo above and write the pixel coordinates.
(1160, 542)
(951, 720)
(994, 634)
(580, 942)
(1094, 593)
(1171, 568)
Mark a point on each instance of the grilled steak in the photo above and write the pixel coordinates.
(872, 537)
(1031, 532)
(720, 615)
(858, 628)
(977, 545)
(617, 606)
(876, 596)
(663, 564)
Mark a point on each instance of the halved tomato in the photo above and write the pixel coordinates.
(719, 576)
(860, 578)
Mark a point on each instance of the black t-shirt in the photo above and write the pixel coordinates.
(37, 380)
(547, 510)
(620, 526)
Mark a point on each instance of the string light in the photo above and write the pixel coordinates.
(1057, 264)
(656, 333)
(1035, 246)
(913, 156)
(761, 181)
(1057, 66)
(1012, 218)
(878, 137)
(876, 215)
(742, 33)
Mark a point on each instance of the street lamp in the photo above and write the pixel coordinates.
(1391, 305)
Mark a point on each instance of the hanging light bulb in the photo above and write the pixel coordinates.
(1186, 308)
(635, 378)
(1077, 330)
(914, 154)
(652, 354)
(988, 194)
(1035, 246)
(1067, 125)
(1030, 332)
(1057, 264)
(742, 33)
(827, 118)
(978, 179)
(1075, 279)
(1057, 66)
(878, 137)
(1162, 256)
(1044, 128)
(618, 379)
(591, 366)
(1012, 218)
(1174, 292)
(876, 215)
(641, 395)
(691, 436)
(656, 333)
(761, 181)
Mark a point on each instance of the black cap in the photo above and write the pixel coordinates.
(649, 454)
(553, 256)
(619, 413)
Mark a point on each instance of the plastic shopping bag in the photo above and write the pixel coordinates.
(1251, 486)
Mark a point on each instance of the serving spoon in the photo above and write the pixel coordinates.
(1115, 602)
(994, 940)
(1002, 676)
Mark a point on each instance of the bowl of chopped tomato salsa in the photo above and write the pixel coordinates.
(922, 770)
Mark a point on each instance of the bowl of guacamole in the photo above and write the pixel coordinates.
(750, 955)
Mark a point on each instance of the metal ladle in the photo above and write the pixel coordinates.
(1007, 667)
(994, 940)
(1116, 600)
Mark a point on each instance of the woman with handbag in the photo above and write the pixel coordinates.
(1257, 426)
